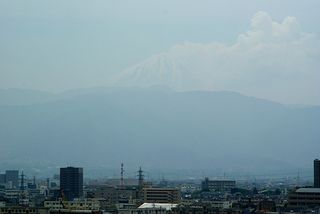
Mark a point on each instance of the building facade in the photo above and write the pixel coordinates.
(20, 210)
(316, 166)
(12, 178)
(71, 182)
(217, 185)
(161, 195)
(2, 178)
(92, 205)
(304, 197)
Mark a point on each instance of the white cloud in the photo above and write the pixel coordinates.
(273, 60)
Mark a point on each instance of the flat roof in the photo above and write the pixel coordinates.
(308, 190)
(166, 206)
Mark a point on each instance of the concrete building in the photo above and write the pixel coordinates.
(19, 210)
(105, 192)
(2, 178)
(267, 205)
(66, 211)
(92, 205)
(316, 166)
(147, 208)
(217, 185)
(304, 197)
(12, 178)
(12, 196)
(161, 195)
(197, 207)
(113, 195)
(154, 208)
(221, 204)
(71, 182)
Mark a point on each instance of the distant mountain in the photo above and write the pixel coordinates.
(15, 96)
(241, 67)
(161, 69)
(158, 129)
(177, 71)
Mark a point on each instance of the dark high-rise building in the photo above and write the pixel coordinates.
(316, 166)
(71, 182)
(12, 178)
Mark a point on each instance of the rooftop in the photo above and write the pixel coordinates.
(308, 190)
(166, 206)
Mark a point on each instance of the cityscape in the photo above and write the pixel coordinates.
(69, 192)
(159, 107)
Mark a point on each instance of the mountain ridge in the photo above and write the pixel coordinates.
(188, 130)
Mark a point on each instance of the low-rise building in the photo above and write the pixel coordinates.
(217, 185)
(22, 210)
(161, 195)
(68, 211)
(72, 205)
(113, 195)
(147, 208)
(304, 197)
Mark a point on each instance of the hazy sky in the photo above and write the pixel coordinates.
(59, 45)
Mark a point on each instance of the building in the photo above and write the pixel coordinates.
(2, 178)
(154, 208)
(66, 211)
(161, 195)
(92, 205)
(71, 182)
(19, 210)
(105, 192)
(114, 195)
(217, 185)
(304, 197)
(316, 166)
(197, 207)
(221, 204)
(146, 208)
(267, 205)
(12, 178)
(12, 196)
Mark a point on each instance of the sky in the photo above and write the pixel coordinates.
(268, 49)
